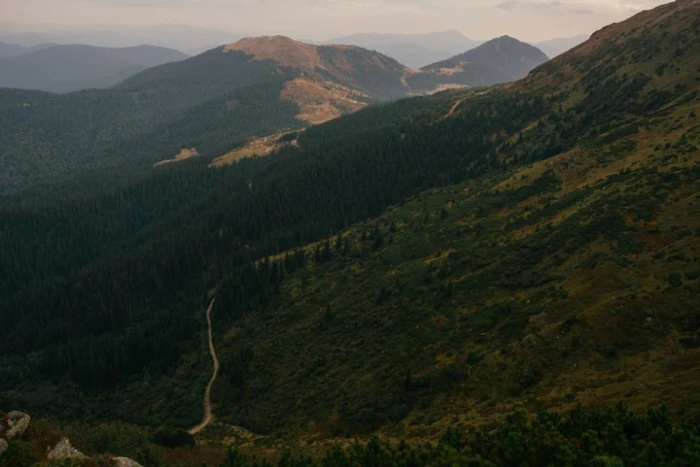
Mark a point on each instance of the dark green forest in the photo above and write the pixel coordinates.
(107, 262)
(235, 215)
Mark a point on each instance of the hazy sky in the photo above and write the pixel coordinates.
(529, 20)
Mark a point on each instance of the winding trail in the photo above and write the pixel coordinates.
(453, 109)
(207, 392)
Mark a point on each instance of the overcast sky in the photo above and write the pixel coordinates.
(530, 20)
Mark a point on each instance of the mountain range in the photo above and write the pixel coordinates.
(420, 50)
(67, 68)
(189, 39)
(11, 50)
(422, 272)
(413, 50)
(497, 61)
(215, 101)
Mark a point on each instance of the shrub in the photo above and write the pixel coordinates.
(19, 454)
(173, 438)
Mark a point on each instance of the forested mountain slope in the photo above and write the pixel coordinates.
(67, 68)
(45, 137)
(553, 281)
(534, 244)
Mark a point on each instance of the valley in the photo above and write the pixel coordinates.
(503, 272)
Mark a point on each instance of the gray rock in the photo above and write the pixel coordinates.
(3, 446)
(125, 462)
(63, 450)
(14, 423)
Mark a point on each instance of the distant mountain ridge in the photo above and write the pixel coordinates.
(557, 46)
(497, 61)
(209, 104)
(420, 50)
(214, 102)
(12, 50)
(67, 68)
(189, 39)
(413, 50)
(364, 74)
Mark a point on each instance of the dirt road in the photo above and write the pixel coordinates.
(207, 392)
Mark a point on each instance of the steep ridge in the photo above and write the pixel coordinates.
(467, 278)
(254, 57)
(359, 69)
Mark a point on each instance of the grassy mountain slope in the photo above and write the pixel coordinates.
(475, 233)
(497, 61)
(67, 68)
(572, 279)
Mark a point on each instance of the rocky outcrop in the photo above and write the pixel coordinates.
(64, 450)
(125, 462)
(3, 446)
(13, 424)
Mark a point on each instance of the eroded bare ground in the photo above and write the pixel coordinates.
(185, 153)
(285, 51)
(447, 87)
(321, 101)
(256, 147)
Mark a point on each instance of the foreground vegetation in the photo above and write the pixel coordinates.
(611, 438)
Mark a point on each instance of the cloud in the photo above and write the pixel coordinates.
(145, 3)
(531, 20)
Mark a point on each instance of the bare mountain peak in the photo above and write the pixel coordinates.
(282, 49)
